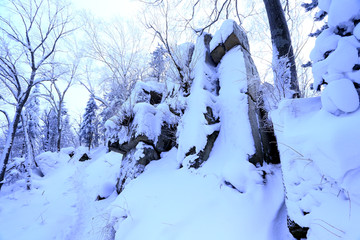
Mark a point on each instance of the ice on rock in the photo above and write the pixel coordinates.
(340, 95)
(341, 11)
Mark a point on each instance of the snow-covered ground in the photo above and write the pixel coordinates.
(62, 204)
(163, 203)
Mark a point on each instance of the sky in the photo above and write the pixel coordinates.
(105, 9)
(109, 8)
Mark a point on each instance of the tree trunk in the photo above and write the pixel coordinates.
(29, 154)
(282, 46)
(9, 141)
(12, 130)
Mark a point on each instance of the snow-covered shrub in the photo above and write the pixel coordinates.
(15, 170)
(336, 61)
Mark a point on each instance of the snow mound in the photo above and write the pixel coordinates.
(340, 95)
(49, 161)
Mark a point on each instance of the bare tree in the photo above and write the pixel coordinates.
(116, 47)
(56, 94)
(29, 38)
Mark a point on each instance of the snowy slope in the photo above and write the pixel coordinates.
(162, 203)
(169, 203)
(62, 204)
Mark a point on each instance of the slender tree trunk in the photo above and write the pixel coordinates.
(280, 37)
(10, 140)
(12, 129)
(59, 130)
(29, 154)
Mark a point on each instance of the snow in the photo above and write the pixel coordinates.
(340, 95)
(324, 5)
(344, 57)
(341, 11)
(233, 102)
(62, 204)
(357, 32)
(193, 128)
(222, 34)
(320, 161)
(169, 203)
(335, 56)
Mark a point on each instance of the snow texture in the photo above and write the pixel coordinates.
(169, 203)
(320, 163)
(336, 56)
(193, 127)
(222, 34)
(62, 204)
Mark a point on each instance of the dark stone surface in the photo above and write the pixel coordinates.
(209, 116)
(166, 141)
(218, 53)
(297, 231)
(84, 158)
(131, 167)
(204, 154)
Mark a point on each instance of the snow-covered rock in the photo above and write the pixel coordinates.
(49, 161)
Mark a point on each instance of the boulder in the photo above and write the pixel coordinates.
(84, 158)
(237, 37)
(165, 141)
(134, 162)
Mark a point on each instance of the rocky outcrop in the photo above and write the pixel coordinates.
(230, 36)
(143, 129)
(199, 128)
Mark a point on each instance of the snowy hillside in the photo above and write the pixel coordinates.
(205, 152)
(163, 203)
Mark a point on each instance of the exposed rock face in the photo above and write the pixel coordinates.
(134, 162)
(218, 53)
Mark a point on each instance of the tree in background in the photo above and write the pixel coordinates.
(29, 35)
(157, 63)
(49, 130)
(32, 112)
(89, 126)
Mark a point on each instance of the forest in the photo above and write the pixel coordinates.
(170, 119)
